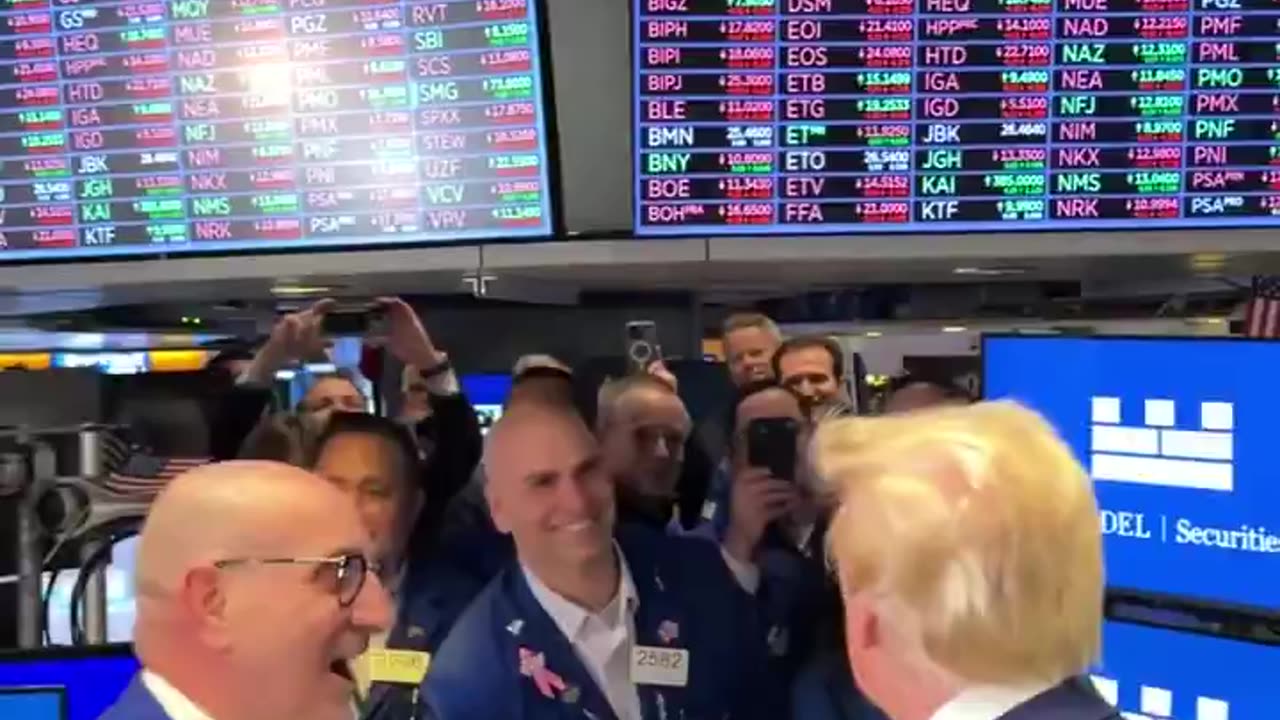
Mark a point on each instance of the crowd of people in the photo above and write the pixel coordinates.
(940, 561)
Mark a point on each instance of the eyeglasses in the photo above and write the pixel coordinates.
(348, 570)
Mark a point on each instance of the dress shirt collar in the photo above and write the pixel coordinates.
(987, 702)
(176, 705)
(570, 617)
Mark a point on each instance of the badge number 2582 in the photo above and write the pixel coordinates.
(659, 666)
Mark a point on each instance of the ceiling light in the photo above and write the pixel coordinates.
(954, 329)
(299, 290)
(874, 333)
(991, 271)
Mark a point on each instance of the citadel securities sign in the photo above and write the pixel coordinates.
(1179, 436)
(1158, 453)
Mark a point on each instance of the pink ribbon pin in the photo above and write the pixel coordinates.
(534, 665)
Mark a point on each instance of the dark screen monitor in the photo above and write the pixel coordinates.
(33, 703)
(91, 679)
(1179, 437)
(1163, 674)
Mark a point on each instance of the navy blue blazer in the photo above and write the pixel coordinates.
(687, 599)
(136, 703)
(439, 586)
(1073, 699)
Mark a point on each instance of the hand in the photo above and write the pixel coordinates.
(756, 499)
(406, 338)
(658, 368)
(294, 338)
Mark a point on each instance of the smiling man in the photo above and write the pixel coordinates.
(587, 623)
(254, 592)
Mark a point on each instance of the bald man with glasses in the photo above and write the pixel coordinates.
(254, 592)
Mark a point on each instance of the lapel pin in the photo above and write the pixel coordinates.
(571, 694)
(515, 627)
(415, 632)
(669, 631)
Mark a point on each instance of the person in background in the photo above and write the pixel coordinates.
(230, 363)
(969, 553)
(910, 392)
(642, 427)
(375, 462)
(540, 379)
(812, 367)
(750, 342)
(254, 590)
(280, 437)
(329, 393)
(583, 625)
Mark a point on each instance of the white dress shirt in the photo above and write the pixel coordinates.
(987, 702)
(176, 705)
(601, 640)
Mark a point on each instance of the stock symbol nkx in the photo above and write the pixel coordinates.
(1156, 703)
(1158, 451)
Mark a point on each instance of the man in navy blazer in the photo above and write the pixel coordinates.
(253, 595)
(969, 554)
(590, 624)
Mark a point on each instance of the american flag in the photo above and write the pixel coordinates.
(1262, 316)
(131, 471)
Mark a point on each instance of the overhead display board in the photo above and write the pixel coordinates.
(225, 125)
(847, 116)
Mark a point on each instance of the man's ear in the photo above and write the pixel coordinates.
(862, 622)
(497, 511)
(203, 598)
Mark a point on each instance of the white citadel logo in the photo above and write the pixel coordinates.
(1156, 452)
(1156, 703)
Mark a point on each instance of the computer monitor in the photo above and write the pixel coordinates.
(91, 679)
(1162, 674)
(1179, 437)
(487, 393)
(33, 703)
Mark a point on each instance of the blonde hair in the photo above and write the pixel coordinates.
(978, 529)
(745, 320)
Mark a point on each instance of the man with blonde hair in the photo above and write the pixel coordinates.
(750, 340)
(969, 554)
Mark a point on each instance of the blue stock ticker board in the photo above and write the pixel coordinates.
(177, 125)
(797, 116)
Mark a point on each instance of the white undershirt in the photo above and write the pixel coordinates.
(601, 640)
(987, 702)
(176, 705)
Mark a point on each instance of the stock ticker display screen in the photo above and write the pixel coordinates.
(175, 125)
(955, 115)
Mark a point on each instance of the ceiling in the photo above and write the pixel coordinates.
(721, 270)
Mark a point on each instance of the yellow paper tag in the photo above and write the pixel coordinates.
(402, 667)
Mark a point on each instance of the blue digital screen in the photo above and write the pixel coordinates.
(1164, 674)
(30, 704)
(93, 679)
(166, 127)
(487, 393)
(1180, 438)
(883, 116)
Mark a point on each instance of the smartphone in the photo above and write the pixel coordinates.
(359, 320)
(771, 443)
(642, 347)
